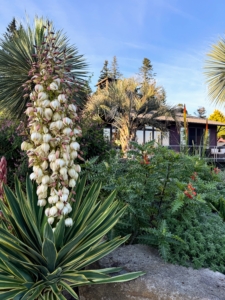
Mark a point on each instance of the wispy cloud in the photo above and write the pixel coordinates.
(165, 5)
(183, 79)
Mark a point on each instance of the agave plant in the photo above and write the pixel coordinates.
(39, 263)
(17, 56)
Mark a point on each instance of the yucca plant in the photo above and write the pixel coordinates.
(17, 56)
(39, 263)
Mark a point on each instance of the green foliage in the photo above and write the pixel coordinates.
(37, 263)
(10, 147)
(215, 72)
(104, 72)
(218, 116)
(163, 189)
(146, 70)
(11, 30)
(93, 142)
(160, 237)
(16, 58)
(114, 70)
(204, 238)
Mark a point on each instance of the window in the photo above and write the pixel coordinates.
(158, 136)
(182, 137)
(106, 134)
(140, 137)
(166, 139)
(195, 136)
(149, 134)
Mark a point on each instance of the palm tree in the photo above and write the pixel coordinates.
(128, 106)
(215, 72)
(17, 56)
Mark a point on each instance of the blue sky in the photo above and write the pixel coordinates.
(174, 34)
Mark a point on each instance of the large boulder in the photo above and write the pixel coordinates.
(163, 281)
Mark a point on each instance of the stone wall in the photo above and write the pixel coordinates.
(162, 281)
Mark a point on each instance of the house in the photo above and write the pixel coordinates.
(174, 137)
(104, 83)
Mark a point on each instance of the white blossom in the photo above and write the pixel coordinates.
(36, 137)
(55, 104)
(77, 168)
(32, 96)
(67, 131)
(42, 96)
(52, 146)
(72, 183)
(52, 156)
(65, 190)
(68, 222)
(59, 124)
(45, 179)
(73, 154)
(45, 103)
(77, 131)
(72, 107)
(26, 146)
(68, 206)
(41, 202)
(44, 165)
(53, 86)
(63, 171)
(53, 211)
(45, 129)
(75, 146)
(62, 98)
(56, 116)
(38, 88)
(51, 220)
(65, 210)
(67, 121)
(48, 113)
(73, 173)
(45, 147)
(57, 81)
(64, 197)
(60, 162)
(59, 205)
(46, 137)
(47, 211)
(29, 111)
(33, 176)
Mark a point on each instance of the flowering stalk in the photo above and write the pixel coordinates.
(52, 115)
(185, 125)
(3, 175)
(205, 140)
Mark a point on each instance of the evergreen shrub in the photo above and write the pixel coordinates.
(169, 195)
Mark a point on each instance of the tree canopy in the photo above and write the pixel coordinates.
(129, 105)
(105, 71)
(114, 69)
(146, 70)
(217, 115)
(201, 112)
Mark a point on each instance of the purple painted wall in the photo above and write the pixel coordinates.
(174, 138)
(175, 135)
(213, 135)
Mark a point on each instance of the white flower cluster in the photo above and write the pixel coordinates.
(52, 147)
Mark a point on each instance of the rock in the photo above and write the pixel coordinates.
(163, 281)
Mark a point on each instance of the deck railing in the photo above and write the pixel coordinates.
(214, 153)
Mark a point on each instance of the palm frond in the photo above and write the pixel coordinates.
(215, 72)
